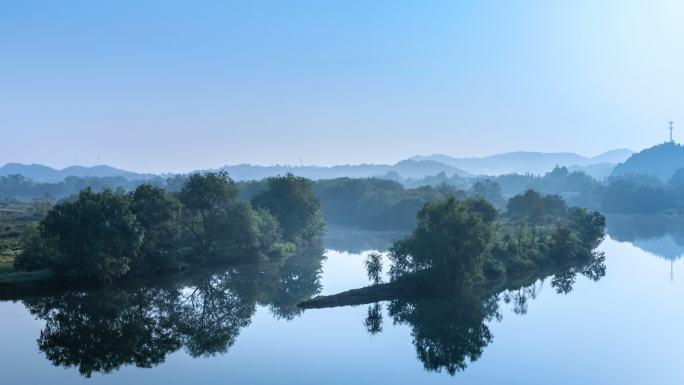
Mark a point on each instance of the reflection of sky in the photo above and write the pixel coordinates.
(623, 329)
(355, 240)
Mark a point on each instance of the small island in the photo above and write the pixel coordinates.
(465, 244)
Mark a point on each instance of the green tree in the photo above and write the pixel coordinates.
(158, 214)
(590, 226)
(565, 244)
(36, 253)
(219, 226)
(529, 205)
(450, 242)
(270, 236)
(291, 200)
(374, 267)
(95, 236)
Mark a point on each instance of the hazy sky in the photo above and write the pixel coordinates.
(180, 85)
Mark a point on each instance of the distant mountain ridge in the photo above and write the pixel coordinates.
(532, 162)
(415, 167)
(661, 160)
(41, 173)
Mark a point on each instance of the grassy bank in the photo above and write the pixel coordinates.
(15, 218)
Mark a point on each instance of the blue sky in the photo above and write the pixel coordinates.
(179, 85)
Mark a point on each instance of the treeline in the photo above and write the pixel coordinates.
(462, 242)
(19, 187)
(625, 194)
(383, 203)
(103, 236)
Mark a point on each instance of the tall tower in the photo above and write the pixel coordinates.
(670, 123)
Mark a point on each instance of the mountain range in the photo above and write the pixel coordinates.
(534, 162)
(41, 173)
(415, 167)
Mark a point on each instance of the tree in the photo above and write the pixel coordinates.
(490, 191)
(36, 253)
(529, 205)
(158, 214)
(554, 206)
(374, 267)
(450, 241)
(218, 226)
(95, 236)
(291, 200)
(565, 244)
(590, 226)
(270, 236)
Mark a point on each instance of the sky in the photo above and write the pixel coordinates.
(161, 86)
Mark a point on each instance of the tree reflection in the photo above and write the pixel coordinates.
(373, 321)
(298, 278)
(451, 330)
(104, 329)
(98, 332)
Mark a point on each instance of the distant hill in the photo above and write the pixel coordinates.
(532, 162)
(406, 169)
(416, 167)
(661, 160)
(41, 173)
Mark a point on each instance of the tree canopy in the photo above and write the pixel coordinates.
(102, 236)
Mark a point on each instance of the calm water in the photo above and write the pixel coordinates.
(241, 326)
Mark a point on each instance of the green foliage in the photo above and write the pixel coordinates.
(102, 236)
(291, 200)
(451, 241)
(534, 207)
(373, 265)
(565, 244)
(95, 236)
(217, 225)
(461, 242)
(634, 195)
(589, 226)
(158, 214)
(36, 254)
(376, 203)
(270, 241)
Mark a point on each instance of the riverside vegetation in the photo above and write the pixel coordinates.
(462, 243)
(450, 277)
(105, 236)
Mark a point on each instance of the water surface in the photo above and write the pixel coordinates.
(241, 326)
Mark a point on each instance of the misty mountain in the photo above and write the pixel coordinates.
(661, 160)
(405, 169)
(417, 167)
(532, 162)
(41, 173)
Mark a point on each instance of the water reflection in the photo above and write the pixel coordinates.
(450, 330)
(203, 314)
(661, 235)
(357, 240)
(104, 329)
